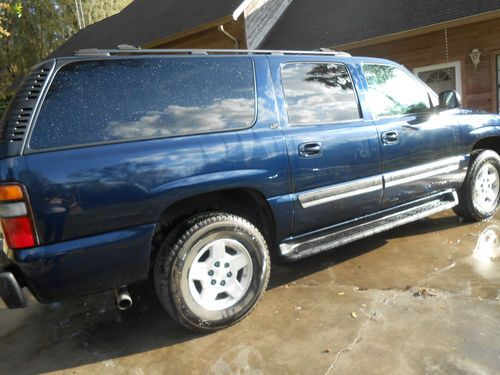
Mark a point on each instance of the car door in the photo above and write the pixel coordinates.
(334, 153)
(420, 146)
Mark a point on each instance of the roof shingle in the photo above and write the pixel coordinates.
(311, 24)
(144, 21)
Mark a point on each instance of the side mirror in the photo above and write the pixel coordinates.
(450, 99)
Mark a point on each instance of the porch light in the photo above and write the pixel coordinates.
(475, 56)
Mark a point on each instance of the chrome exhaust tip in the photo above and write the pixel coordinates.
(123, 299)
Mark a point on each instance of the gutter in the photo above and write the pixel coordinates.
(233, 39)
(238, 11)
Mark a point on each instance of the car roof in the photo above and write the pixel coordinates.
(134, 53)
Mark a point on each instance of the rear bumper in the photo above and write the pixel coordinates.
(85, 266)
(11, 291)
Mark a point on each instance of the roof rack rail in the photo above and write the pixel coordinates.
(138, 51)
(127, 46)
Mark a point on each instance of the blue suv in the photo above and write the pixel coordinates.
(192, 167)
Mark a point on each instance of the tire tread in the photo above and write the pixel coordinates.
(165, 264)
(465, 208)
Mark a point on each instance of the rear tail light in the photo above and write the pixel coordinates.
(18, 232)
(11, 193)
(17, 223)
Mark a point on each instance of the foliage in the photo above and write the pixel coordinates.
(331, 75)
(4, 101)
(31, 29)
(7, 11)
(95, 10)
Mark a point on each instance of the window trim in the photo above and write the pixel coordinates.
(408, 73)
(453, 64)
(356, 96)
(61, 63)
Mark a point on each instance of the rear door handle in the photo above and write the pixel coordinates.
(310, 150)
(390, 137)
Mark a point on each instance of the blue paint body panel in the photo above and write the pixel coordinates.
(350, 151)
(95, 208)
(90, 264)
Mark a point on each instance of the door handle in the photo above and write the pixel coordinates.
(310, 150)
(390, 137)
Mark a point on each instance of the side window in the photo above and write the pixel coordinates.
(392, 92)
(318, 93)
(117, 100)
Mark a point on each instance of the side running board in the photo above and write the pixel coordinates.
(295, 249)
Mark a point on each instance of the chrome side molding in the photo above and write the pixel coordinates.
(340, 191)
(362, 186)
(423, 171)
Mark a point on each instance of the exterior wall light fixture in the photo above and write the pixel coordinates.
(475, 56)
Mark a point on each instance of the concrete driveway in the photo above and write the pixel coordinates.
(424, 298)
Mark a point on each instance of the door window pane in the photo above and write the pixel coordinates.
(393, 92)
(319, 93)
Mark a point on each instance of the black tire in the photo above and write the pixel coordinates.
(187, 244)
(469, 207)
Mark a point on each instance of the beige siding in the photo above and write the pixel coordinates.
(210, 38)
(429, 49)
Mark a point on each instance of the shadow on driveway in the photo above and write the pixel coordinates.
(66, 335)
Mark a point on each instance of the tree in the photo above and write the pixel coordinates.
(7, 11)
(95, 10)
(331, 75)
(31, 29)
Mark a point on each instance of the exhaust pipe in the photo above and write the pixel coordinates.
(123, 299)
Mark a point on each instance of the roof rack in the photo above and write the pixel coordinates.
(139, 51)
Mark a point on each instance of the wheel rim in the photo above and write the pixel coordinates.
(220, 274)
(486, 188)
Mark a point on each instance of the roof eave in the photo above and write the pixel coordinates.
(418, 31)
(241, 8)
(187, 32)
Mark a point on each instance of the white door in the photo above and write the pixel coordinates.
(441, 77)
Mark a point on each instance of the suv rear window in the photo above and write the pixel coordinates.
(116, 100)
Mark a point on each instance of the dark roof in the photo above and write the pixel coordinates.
(310, 24)
(144, 21)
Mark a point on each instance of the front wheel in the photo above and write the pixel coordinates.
(480, 192)
(212, 271)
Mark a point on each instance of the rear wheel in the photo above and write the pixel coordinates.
(480, 192)
(212, 271)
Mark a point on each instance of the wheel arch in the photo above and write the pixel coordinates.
(469, 208)
(488, 143)
(248, 203)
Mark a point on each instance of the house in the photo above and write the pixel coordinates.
(450, 44)
(434, 38)
(182, 24)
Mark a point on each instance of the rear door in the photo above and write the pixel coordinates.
(334, 153)
(420, 146)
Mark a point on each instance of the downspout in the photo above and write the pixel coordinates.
(233, 39)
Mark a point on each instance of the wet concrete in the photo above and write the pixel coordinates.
(424, 298)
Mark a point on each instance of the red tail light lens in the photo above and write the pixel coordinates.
(17, 224)
(18, 232)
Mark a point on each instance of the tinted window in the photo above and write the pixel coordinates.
(114, 100)
(392, 92)
(318, 93)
